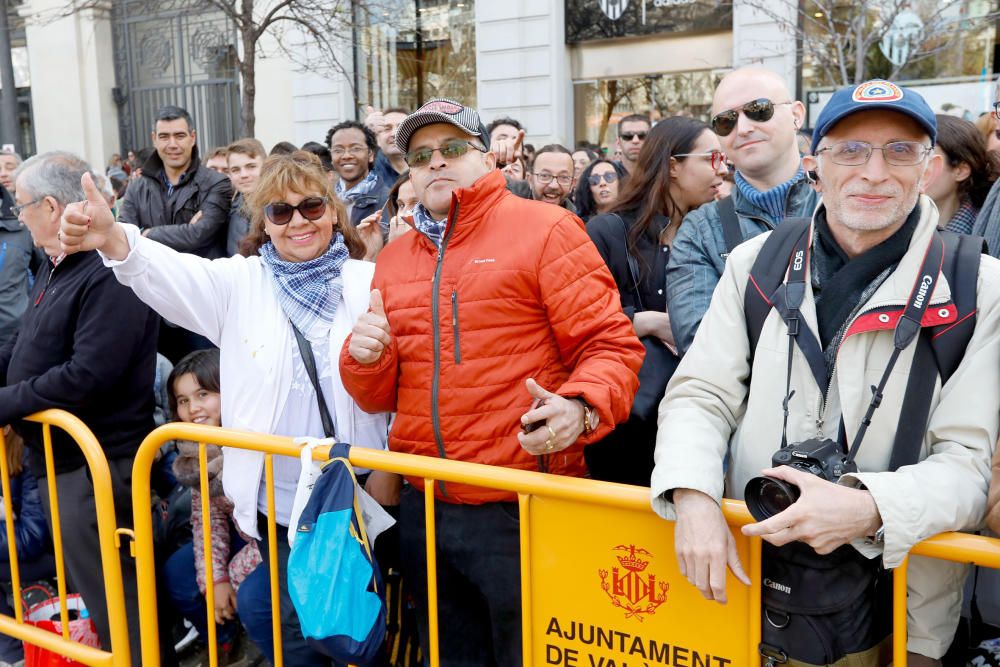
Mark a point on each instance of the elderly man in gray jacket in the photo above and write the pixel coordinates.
(863, 258)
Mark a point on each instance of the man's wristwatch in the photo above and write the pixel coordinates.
(878, 538)
(590, 417)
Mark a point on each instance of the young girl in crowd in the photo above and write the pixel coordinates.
(194, 397)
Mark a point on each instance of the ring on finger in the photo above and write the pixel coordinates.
(549, 445)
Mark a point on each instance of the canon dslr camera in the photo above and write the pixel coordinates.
(766, 496)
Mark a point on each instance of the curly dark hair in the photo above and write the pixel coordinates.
(370, 139)
(586, 207)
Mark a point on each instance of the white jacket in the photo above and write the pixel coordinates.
(232, 303)
(709, 411)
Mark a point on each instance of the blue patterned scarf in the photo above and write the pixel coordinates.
(362, 187)
(428, 226)
(309, 292)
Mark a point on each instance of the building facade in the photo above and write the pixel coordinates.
(567, 69)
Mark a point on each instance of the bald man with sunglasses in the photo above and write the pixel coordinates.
(757, 121)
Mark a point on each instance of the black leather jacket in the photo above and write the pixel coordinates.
(147, 206)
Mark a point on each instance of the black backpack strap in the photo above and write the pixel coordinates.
(731, 231)
(961, 269)
(768, 273)
(939, 349)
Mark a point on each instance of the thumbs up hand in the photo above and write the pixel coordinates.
(371, 333)
(90, 225)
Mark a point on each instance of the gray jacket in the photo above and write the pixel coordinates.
(698, 255)
(18, 258)
(168, 218)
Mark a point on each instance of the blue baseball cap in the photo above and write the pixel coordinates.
(871, 95)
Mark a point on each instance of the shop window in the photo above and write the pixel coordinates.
(410, 51)
(601, 103)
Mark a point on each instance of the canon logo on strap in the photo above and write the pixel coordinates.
(925, 283)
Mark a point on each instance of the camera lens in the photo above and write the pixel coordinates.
(766, 497)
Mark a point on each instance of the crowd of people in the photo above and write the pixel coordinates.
(679, 311)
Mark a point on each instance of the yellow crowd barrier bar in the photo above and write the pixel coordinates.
(539, 497)
(106, 525)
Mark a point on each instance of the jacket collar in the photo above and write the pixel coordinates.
(470, 205)
(153, 168)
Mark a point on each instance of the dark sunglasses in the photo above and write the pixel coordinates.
(310, 208)
(759, 111)
(451, 149)
(629, 136)
(608, 176)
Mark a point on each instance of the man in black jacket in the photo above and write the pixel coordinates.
(174, 187)
(86, 345)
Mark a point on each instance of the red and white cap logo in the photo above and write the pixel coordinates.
(877, 91)
(442, 106)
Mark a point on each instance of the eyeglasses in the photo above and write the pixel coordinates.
(16, 210)
(857, 153)
(310, 208)
(355, 150)
(629, 136)
(454, 148)
(718, 157)
(759, 111)
(608, 176)
(545, 178)
(996, 110)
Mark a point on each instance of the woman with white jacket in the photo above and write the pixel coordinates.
(300, 276)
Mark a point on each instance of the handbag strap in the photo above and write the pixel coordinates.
(309, 359)
(633, 266)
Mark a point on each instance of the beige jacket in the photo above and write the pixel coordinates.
(708, 412)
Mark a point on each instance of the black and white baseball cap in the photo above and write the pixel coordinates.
(441, 110)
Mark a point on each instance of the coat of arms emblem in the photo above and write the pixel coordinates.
(613, 9)
(631, 588)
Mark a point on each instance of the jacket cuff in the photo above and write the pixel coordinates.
(896, 516)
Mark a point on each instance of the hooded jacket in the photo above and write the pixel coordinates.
(147, 206)
(516, 291)
(717, 405)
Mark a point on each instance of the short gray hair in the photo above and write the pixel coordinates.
(56, 174)
(14, 154)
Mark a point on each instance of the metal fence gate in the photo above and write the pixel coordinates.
(180, 52)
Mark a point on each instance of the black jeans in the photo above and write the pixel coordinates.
(479, 579)
(82, 552)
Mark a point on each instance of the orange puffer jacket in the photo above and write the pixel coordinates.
(518, 290)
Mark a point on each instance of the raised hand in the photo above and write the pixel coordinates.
(508, 150)
(371, 234)
(374, 119)
(371, 333)
(90, 225)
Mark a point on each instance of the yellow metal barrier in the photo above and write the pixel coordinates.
(599, 582)
(98, 465)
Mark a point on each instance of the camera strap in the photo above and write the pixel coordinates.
(787, 301)
(907, 328)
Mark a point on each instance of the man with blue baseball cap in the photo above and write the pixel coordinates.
(847, 431)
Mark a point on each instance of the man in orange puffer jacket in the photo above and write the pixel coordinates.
(498, 312)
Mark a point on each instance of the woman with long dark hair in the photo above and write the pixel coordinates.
(598, 188)
(968, 174)
(680, 167)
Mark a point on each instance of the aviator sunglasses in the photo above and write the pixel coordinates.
(310, 208)
(451, 149)
(759, 111)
